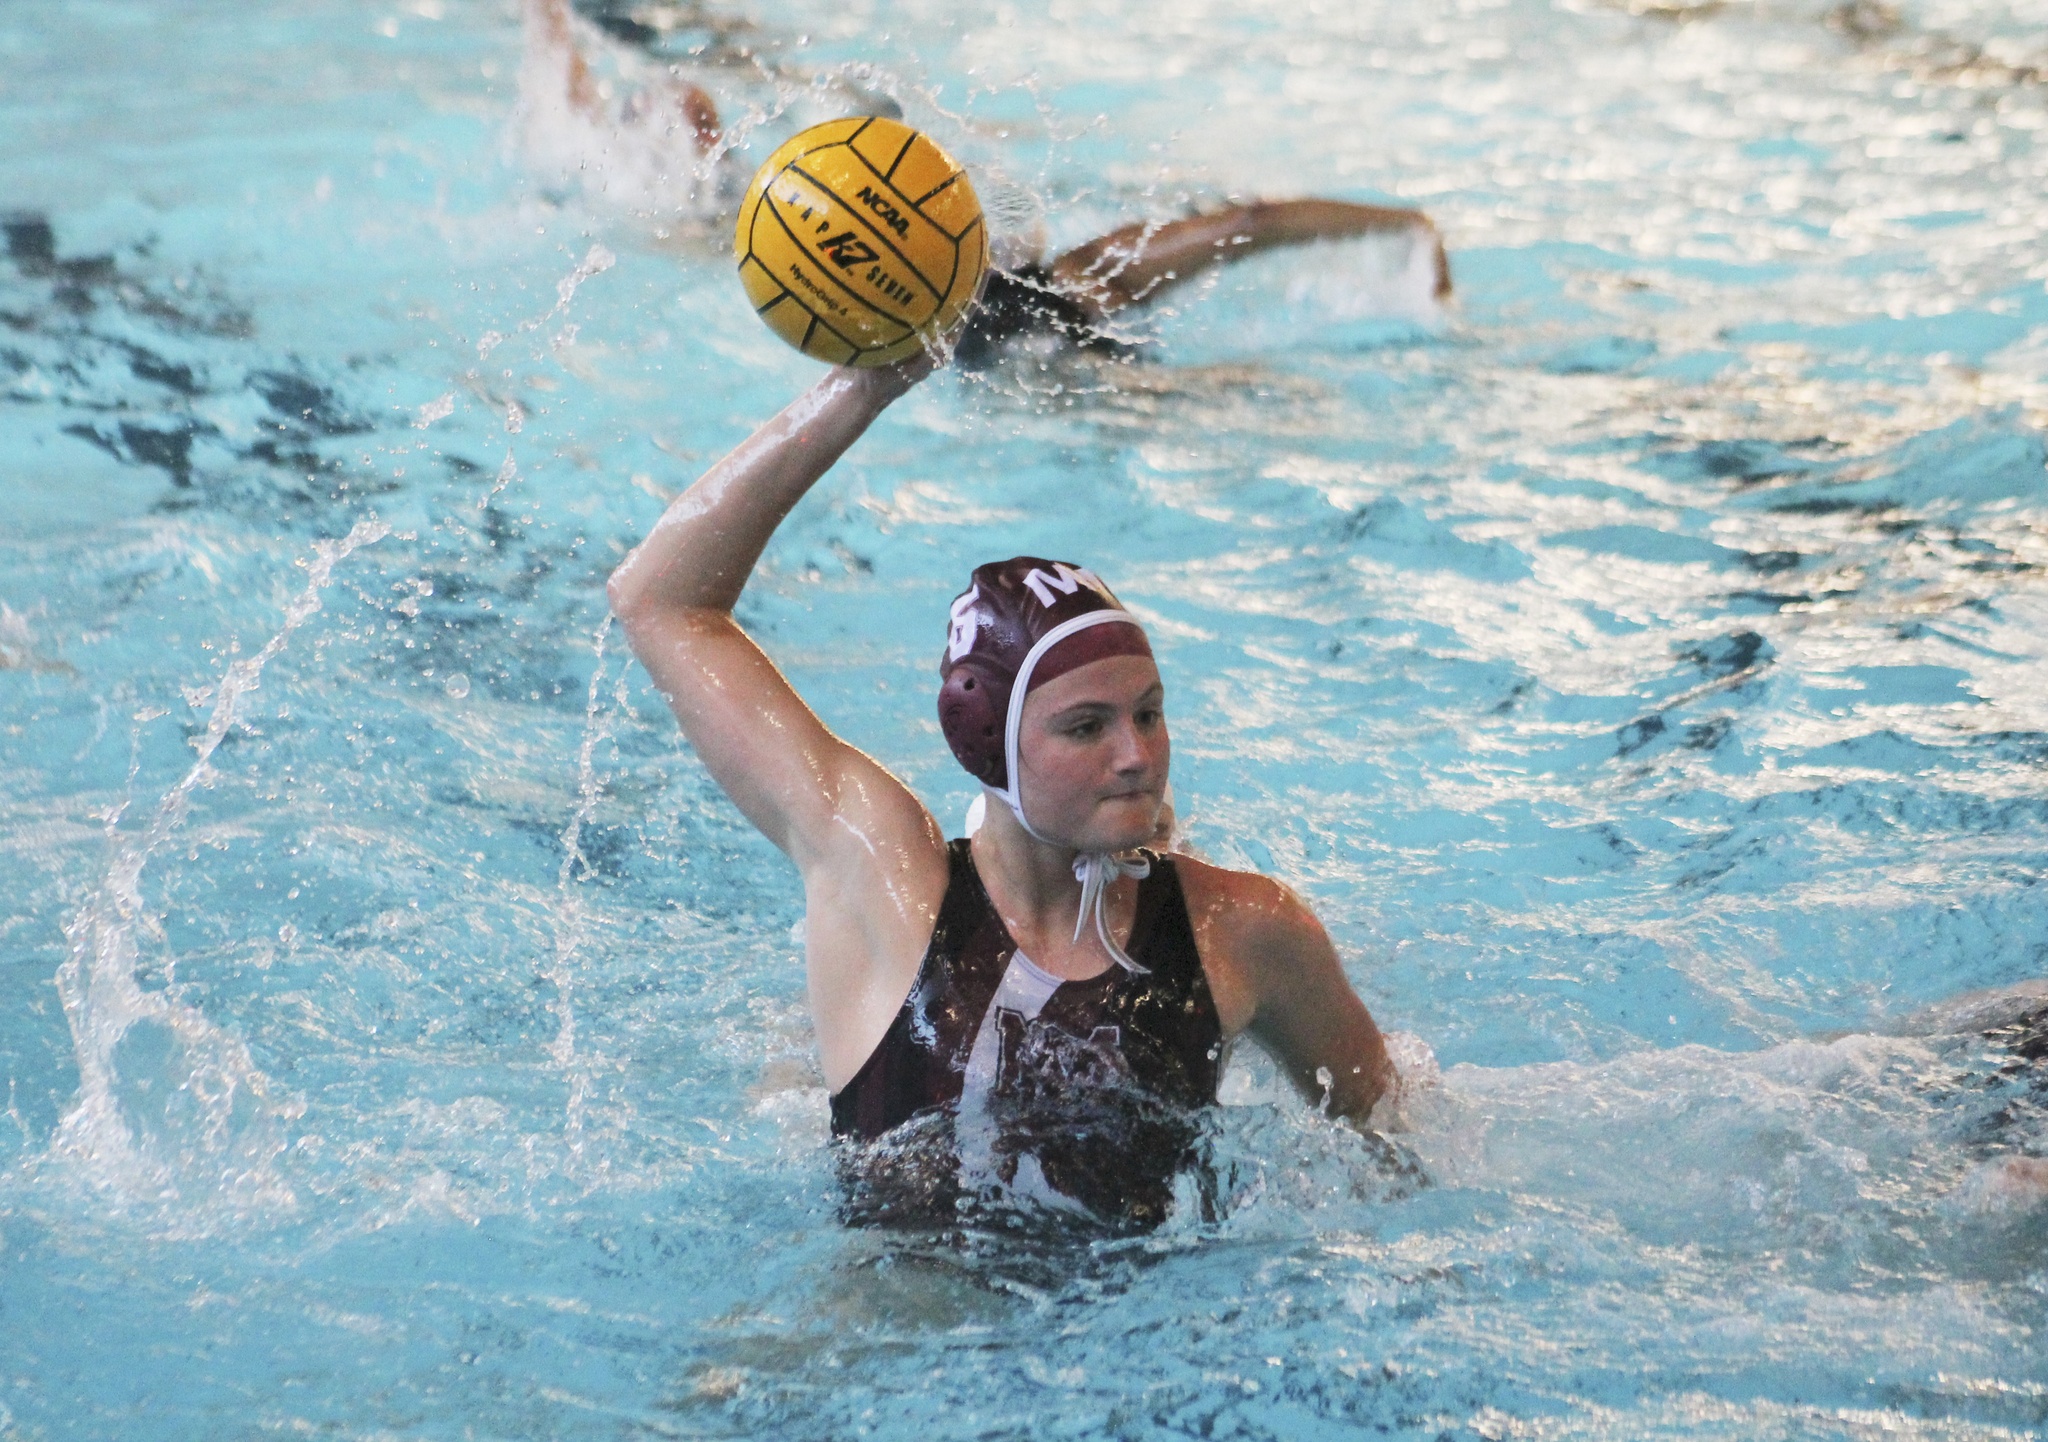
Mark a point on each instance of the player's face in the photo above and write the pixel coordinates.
(1094, 754)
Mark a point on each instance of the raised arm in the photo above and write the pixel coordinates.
(873, 860)
(1137, 263)
(808, 791)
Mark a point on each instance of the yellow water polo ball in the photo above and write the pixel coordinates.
(859, 240)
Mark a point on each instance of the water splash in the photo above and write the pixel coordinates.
(596, 261)
(571, 917)
(172, 1108)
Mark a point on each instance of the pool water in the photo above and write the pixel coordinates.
(1640, 666)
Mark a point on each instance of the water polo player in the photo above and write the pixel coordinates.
(1037, 1014)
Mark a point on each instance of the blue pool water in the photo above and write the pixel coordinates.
(1640, 667)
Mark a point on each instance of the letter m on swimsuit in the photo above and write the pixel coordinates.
(1065, 579)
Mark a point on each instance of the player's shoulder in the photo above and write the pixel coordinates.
(1240, 906)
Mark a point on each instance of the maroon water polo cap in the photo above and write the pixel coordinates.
(1021, 623)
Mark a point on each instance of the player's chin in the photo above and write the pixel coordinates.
(1123, 822)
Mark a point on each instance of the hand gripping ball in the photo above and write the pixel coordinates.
(859, 240)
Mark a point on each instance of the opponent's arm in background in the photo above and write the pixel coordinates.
(1137, 263)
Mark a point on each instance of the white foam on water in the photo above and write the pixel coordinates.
(16, 645)
(1389, 275)
(632, 145)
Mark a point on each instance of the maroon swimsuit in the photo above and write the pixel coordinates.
(1083, 1097)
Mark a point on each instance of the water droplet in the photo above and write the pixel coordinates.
(457, 686)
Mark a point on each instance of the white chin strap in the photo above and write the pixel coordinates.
(1093, 869)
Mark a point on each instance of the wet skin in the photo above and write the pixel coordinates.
(1093, 760)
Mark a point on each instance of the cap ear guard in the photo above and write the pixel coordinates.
(971, 714)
